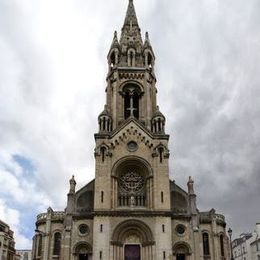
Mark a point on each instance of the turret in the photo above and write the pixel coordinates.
(158, 122)
(105, 121)
(148, 53)
(131, 82)
(113, 55)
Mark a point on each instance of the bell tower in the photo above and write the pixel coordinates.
(131, 210)
(132, 175)
(131, 90)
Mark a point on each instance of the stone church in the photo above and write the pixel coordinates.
(131, 210)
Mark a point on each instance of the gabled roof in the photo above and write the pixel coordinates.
(139, 125)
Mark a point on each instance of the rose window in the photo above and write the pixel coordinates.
(131, 182)
(131, 189)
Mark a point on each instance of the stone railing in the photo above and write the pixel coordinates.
(55, 215)
(207, 217)
(220, 217)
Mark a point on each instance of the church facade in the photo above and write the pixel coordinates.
(131, 210)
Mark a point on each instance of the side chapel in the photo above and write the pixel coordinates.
(131, 210)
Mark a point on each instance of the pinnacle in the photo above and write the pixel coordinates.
(131, 15)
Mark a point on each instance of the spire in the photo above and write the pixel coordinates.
(147, 43)
(115, 43)
(130, 36)
(130, 18)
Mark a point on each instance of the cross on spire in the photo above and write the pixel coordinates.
(131, 108)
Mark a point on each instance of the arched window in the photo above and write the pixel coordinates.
(112, 59)
(150, 60)
(103, 151)
(132, 95)
(131, 58)
(57, 243)
(161, 154)
(205, 238)
(132, 184)
(221, 238)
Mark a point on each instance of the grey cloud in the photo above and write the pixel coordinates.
(208, 62)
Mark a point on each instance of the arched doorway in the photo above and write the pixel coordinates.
(132, 240)
(181, 251)
(82, 251)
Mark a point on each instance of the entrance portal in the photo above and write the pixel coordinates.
(83, 256)
(180, 257)
(132, 252)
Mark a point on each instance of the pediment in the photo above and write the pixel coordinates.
(132, 128)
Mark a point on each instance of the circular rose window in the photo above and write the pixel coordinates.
(132, 146)
(83, 229)
(180, 229)
(131, 182)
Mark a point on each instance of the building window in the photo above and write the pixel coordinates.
(222, 245)
(180, 229)
(102, 196)
(205, 238)
(131, 94)
(162, 199)
(131, 105)
(164, 255)
(112, 59)
(100, 255)
(83, 229)
(258, 257)
(101, 228)
(163, 228)
(132, 189)
(103, 150)
(161, 154)
(57, 243)
(257, 246)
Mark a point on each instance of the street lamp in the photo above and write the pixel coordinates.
(230, 240)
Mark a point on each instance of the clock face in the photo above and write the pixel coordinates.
(131, 182)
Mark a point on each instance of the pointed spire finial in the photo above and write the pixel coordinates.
(147, 36)
(115, 43)
(115, 35)
(131, 18)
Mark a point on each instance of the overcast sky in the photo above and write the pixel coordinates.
(52, 88)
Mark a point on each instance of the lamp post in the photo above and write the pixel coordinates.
(230, 240)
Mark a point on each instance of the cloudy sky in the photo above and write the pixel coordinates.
(52, 82)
